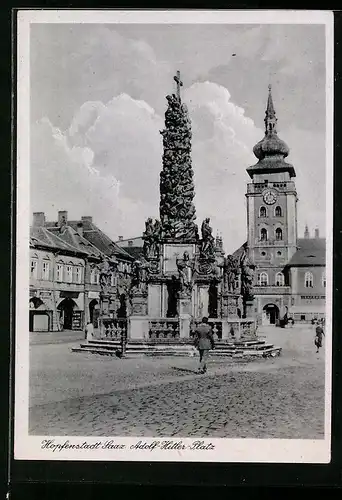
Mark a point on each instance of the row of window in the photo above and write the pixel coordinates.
(123, 267)
(264, 234)
(263, 279)
(280, 279)
(309, 280)
(263, 212)
(68, 273)
(95, 278)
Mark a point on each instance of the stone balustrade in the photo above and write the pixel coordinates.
(115, 329)
(163, 328)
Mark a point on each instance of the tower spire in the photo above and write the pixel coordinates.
(306, 232)
(270, 114)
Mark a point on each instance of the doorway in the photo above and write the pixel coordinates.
(172, 294)
(122, 311)
(66, 308)
(270, 314)
(94, 312)
(212, 307)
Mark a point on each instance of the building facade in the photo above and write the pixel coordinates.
(289, 270)
(65, 269)
(56, 289)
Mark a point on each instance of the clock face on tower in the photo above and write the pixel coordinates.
(269, 196)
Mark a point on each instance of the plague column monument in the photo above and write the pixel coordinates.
(184, 275)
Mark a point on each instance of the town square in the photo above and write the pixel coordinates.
(97, 395)
(177, 246)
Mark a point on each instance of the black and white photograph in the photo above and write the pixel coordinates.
(174, 236)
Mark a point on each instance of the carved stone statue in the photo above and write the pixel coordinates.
(151, 237)
(208, 241)
(139, 277)
(105, 275)
(185, 270)
(230, 272)
(247, 276)
(177, 190)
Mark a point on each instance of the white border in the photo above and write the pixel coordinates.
(226, 450)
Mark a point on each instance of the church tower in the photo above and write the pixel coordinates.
(271, 208)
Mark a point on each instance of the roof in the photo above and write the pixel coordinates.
(41, 236)
(271, 165)
(137, 240)
(71, 236)
(237, 254)
(136, 252)
(100, 240)
(311, 252)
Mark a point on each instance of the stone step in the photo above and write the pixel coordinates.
(266, 351)
(173, 348)
(147, 346)
(93, 350)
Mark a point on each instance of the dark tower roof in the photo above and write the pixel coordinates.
(271, 150)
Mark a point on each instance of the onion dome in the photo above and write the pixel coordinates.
(270, 145)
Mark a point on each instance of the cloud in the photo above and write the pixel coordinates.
(76, 64)
(107, 164)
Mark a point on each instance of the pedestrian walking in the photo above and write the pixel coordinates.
(319, 337)
(204, 341)
(89, 331)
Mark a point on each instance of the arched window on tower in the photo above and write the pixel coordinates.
(280, 279)
(262, 212)
(277, 212)
(279, 234)
(324, 280)
(308, 280)
(263, 279)
(263, 234)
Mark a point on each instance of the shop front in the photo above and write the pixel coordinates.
(70, 311)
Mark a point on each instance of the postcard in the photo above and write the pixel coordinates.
(174, 236)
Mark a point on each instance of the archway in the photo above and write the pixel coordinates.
(94, 312)
(270, 314)
(66, 307)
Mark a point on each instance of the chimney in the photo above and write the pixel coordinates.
(62, 217)
(38, 219)
(316, 232)
(306, 232)
(120, 238)
(80, 228)
(86, 218)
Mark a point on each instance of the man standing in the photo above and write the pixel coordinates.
(89, 331)
(204, 341)
(319, 336)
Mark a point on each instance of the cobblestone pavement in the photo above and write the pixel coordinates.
(82, 394)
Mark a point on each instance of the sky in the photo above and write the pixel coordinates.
(98, 102)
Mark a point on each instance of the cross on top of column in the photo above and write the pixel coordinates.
(179, 83)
